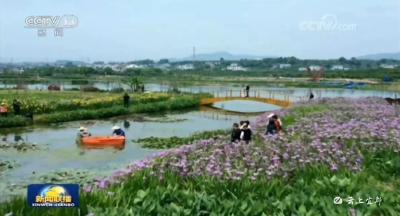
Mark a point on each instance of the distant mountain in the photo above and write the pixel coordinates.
(378, 56)
(216, 56)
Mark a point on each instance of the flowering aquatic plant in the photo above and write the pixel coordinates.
(334, 136)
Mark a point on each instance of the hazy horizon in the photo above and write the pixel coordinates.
(132, 30)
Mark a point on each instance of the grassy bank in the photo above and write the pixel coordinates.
(44, 102)
(178, 103)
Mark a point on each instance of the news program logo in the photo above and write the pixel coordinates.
(49, 195)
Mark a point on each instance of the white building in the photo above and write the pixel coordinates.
(337, 67)
(132, 66)
(235, 67)
(17, 70)
(117, 68)
(163, 66)
(315, 67)
(388, 66)
(186, 67)
(210, 64)
(302, 69)
(283, 66)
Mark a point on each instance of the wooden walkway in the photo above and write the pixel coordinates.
(278, 102)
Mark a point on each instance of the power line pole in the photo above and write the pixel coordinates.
(194, 53)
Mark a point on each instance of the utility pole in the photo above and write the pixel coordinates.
(194, 53)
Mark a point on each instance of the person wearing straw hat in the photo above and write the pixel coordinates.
(118, 131)
(3, 109)
(83, 132)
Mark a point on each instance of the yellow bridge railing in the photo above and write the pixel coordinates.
(281, 103)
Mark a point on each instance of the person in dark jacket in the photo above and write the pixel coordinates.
(126, 100)
(311, 95)
(247, 90)
(235, 134)
(271, 127)
(246, 132)
(118, 131)
(16, 107)
(274, 124)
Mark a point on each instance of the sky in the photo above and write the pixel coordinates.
(125, 30)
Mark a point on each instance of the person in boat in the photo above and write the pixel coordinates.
(118, 131)
(83, 132)
(235, 135)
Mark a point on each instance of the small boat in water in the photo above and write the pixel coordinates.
(103, 141)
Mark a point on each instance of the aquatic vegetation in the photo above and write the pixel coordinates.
(172, 142)
(61, 107)
(6, 165)
(19, 146)
(14, 121)
(47, 102)
(81, 114)
(86, 114)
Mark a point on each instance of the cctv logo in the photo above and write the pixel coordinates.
(65, 21)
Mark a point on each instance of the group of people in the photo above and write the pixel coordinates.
(241, 132)
(4, 108)
(116, 130)
(16, 105)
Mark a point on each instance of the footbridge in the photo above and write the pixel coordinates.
(279, 100)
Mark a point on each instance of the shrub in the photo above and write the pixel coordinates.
(13, 121)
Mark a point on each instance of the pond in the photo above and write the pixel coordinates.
(243, 106)
(58, 151)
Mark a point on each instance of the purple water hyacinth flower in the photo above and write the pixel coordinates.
(87, 188)
(276, 160)
(286, 156)
(103, 184)
(334, 167)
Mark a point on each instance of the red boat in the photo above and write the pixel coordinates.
(103, 141)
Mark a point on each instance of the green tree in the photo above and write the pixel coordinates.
(134, 84)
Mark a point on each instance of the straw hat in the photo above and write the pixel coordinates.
(82, 129)
(116, 127)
